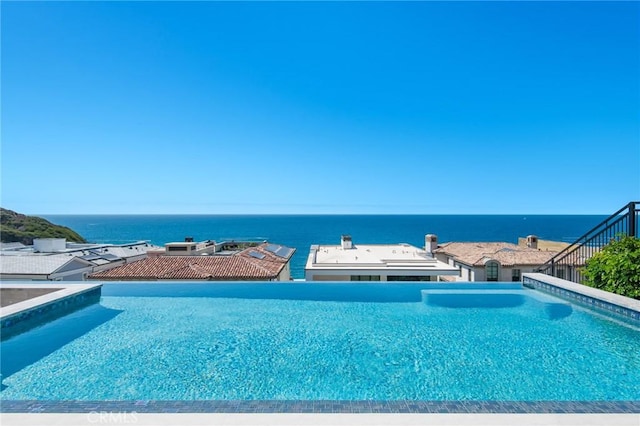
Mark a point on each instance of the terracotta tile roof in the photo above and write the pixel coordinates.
(241, 266)
(506, 254)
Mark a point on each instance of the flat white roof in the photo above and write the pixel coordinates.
(376, 256)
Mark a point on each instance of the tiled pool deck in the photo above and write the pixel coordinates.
(304, 419)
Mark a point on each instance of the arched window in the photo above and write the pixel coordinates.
(492, 271)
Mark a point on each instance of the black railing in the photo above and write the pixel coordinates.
(569, 262)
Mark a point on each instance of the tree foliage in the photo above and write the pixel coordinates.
(616, 268)
(16, 227)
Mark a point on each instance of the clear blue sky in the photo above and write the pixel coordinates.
(329, 107)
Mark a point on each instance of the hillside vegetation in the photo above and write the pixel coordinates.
(16, 227)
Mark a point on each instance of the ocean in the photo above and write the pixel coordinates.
(301, 231)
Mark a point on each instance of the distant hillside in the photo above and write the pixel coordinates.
(16, 227)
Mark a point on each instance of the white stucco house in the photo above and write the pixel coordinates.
(374, 262)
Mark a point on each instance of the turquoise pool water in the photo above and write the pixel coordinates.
(324, 342)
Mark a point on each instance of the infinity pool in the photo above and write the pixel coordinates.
(325, 342)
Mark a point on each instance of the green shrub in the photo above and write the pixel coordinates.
(616, 268)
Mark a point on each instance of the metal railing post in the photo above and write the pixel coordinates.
(632, 219)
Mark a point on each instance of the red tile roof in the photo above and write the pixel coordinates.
(241, 266)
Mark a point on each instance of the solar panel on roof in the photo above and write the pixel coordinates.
(90, 257)
(256, 254)
(272, 248)
(109, 256)
(283, 252)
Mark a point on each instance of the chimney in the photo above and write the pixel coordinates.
(532, 241)
(346, 242)
(430, 243)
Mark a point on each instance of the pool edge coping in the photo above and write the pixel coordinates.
(63, 291)
(613, 304)
(20, 317)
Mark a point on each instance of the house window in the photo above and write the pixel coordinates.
(408, 278)
(365, 277)
(516, 275)
(492, 271)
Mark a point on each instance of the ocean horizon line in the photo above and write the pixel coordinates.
(319, 214)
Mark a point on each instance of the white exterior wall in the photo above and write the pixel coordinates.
(505, 273)
(465, 274)
(285, 274)
(479, 274)
(444, 258)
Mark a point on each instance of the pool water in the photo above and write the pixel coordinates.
(324, 342)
